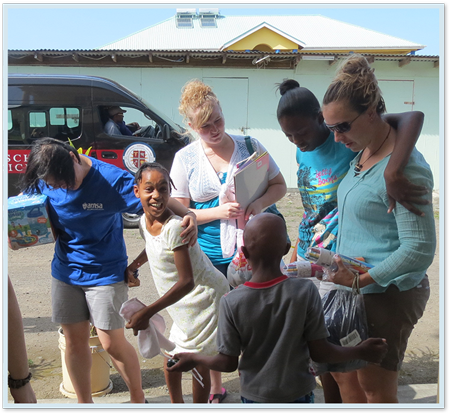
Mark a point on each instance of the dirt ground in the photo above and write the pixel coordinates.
(29, 270)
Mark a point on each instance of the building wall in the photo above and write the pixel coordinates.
(249, 97)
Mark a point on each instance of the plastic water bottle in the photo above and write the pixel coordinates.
(324, 258)
(302, 269)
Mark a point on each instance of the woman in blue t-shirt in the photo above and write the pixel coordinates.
(86, 199)
(323, 163)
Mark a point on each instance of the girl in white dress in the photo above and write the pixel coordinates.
(188, 284)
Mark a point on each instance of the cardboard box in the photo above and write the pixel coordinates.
(28, 222)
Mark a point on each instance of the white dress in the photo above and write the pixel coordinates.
(195, 316)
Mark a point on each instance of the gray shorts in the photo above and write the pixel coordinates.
(392, 315)
(100, 304)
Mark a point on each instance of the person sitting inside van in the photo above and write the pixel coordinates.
(116, 125)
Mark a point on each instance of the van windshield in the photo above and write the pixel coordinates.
(157, 112)
(171, 123)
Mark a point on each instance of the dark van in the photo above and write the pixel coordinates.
(75, 109)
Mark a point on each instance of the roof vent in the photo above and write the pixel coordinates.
(208, 17)
(185, 18)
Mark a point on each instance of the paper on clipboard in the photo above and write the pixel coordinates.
(251, 181)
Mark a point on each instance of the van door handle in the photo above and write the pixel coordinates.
(109, 155)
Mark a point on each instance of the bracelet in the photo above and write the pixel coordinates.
(355, 285)
(18, 383)
(190, 212)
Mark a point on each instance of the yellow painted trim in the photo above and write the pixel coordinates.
(267, 37)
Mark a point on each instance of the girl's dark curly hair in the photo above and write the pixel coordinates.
(152, 166)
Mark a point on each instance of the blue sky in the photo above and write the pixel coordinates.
(58, 26)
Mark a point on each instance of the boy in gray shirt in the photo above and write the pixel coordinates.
(270, 326)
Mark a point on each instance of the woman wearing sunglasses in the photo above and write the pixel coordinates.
(322, 165)
(400, 245)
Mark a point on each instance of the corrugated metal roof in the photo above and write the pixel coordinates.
(107, 52)
(316, 32)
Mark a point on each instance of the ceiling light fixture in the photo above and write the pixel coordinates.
(261, 59)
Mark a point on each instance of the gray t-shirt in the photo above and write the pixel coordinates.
(111, 128)
(269, 325)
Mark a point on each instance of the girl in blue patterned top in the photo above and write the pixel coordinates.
(323, 163)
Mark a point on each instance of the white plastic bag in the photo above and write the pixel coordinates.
(152, 339)
(239, 271)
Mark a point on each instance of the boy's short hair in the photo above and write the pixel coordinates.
(266, 234)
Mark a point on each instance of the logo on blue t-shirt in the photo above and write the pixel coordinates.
(325, 177)
(92, 206)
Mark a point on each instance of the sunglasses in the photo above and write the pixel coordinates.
(342, 127)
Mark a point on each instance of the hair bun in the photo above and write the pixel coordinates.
(287, 85)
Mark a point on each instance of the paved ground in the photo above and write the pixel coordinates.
(29, 271)
(414, 393)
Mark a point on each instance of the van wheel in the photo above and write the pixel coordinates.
(130, 220)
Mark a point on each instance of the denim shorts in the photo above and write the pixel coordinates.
(308, 398)
(100, 304)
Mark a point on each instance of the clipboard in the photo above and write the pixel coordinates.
(251, 179)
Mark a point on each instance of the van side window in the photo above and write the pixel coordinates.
(15, 127)
(25, 125)
(10, 123)
(64, 123)
(69, 117)
(60, 123)
(37, 122)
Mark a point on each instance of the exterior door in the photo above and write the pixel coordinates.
(398, 95)
(232, 93)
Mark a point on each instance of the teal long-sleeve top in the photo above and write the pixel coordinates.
(400, 245)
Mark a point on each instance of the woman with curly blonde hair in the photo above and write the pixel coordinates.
(202, 173)
(399, 245)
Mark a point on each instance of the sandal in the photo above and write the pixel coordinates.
(219, 396)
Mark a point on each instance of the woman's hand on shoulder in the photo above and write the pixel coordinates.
(189, 234)
(400, 189)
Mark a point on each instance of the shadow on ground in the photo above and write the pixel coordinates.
(419, 366)
(38, 324)
(151, 378)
